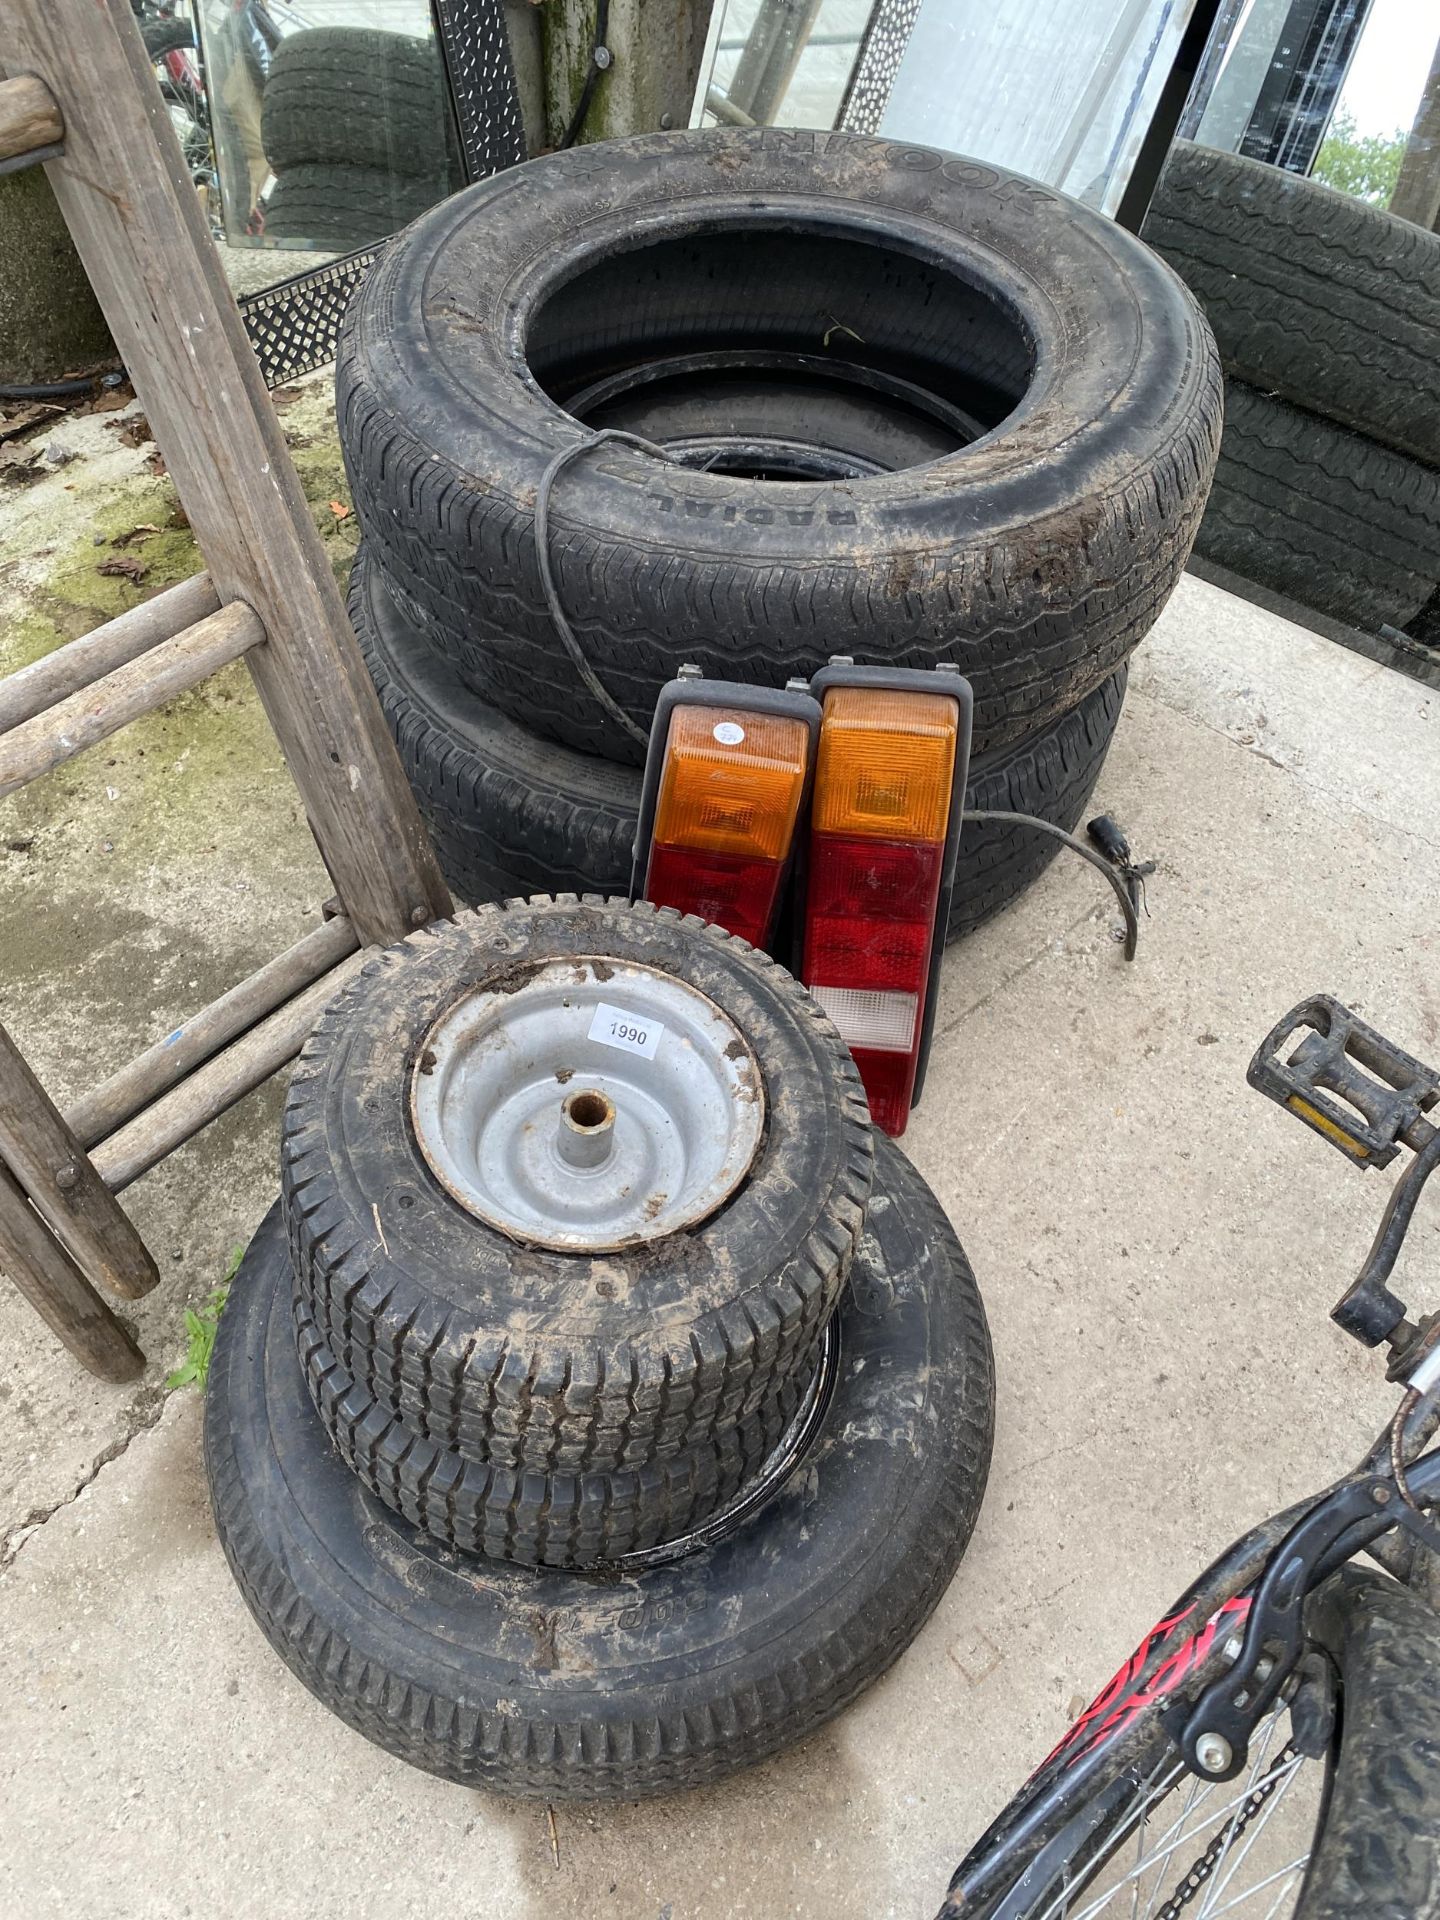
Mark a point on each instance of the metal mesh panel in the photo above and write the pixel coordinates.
(877, 64)
(295, 327)
(482, 84)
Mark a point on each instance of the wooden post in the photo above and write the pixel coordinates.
(43, 1154)
(68, 1304)
(1417, 187)
(138, 227)
(656, 47)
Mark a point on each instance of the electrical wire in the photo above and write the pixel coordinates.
(558, 617)
(592, 78)
(1101, 865)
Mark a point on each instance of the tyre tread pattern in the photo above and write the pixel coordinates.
(621, 1755)
(547, 1405)
(1378, 1856)
(1316, 297)
(1312, 510)
(546, 1518)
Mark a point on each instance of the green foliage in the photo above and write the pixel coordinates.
(200, 1330)
(1367, 168)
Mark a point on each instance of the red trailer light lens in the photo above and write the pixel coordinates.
(731, 784)
(883, 780)
(733, 892)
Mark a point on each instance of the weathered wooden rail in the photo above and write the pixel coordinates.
(80, 97)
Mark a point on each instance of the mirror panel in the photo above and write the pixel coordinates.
(330, 122)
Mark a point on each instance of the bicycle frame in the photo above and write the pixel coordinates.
(1179, 1659)
(1198, 1680)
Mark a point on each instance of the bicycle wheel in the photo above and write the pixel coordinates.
(1335, 1817)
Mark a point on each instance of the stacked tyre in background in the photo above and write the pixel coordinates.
(891, 404)
(1327, 315)
(356, 127)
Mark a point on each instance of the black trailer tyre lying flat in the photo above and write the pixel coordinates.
(1036, 556)
(512, 814)
(568, 1687)
(1313, 511)
(536, 1519)
(1314, 296)
(555, 1361)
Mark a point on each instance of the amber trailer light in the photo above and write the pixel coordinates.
(890, 773)
(725, 783)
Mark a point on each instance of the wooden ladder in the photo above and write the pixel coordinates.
(80, 97)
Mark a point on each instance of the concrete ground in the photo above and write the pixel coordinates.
(1158, 1249)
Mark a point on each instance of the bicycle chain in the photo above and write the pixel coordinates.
(1195, 1879)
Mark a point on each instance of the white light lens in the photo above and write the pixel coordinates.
(865, 1019)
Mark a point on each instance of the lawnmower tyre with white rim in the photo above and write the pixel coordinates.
(543, 1317)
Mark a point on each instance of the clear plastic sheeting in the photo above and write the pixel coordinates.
(1061, 90)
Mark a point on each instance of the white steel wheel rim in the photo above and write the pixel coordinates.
(594, 1104)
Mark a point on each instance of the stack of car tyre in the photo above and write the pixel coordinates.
(1327, 314)
(356, 127)
(751, 400)
(604, 1405)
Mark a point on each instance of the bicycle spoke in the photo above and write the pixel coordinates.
(1285, 1873)
(1222, 1881)
(1144, 1862)
(1273, 1910)
(1200, 1790)
(1234, 1822)
(1161, 1855)
(1237, 1818)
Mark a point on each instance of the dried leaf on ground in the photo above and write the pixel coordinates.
(30, 414)
(134, 432)
(339, 509)
(20, 465)
(110, 400)
(124, 568)
(128, 539)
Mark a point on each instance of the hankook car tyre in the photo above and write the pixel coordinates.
(1036, 554)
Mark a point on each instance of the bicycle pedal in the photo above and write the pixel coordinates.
(1347, 1082)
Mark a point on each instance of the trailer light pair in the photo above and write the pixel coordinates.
(880, 757)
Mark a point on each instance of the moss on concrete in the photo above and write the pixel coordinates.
(145, 875)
